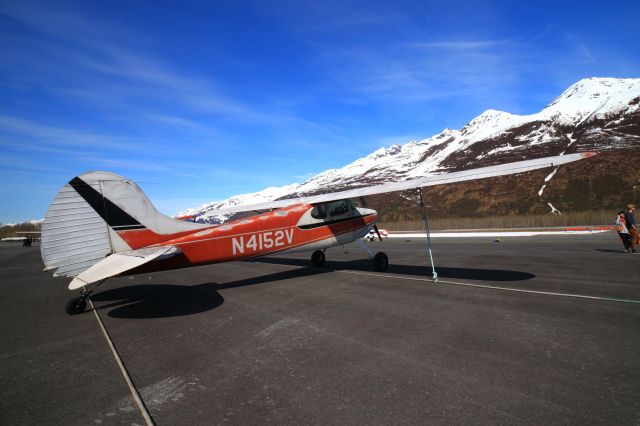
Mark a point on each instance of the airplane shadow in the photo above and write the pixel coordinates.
(277, 276)
(170, 300)
(365, 265)
(159, 300)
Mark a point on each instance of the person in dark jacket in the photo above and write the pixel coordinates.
(623, 232)
(631, 226)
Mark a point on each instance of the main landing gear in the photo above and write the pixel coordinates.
(78, 305)
(317, 258)
(380, 259)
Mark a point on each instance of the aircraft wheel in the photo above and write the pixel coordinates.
(317, 258)
(381, 261)
(76, 306)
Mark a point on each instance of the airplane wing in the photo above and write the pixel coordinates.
(118, 263)
(428, 180)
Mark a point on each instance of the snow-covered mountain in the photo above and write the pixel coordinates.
(598, 114)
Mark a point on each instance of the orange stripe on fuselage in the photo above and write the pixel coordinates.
(139, 238)
(256, 236)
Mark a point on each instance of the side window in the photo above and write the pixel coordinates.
(334, 208)
(319, 211)
(338, 207)
(350, 204)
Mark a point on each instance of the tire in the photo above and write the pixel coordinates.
(76, 306)
(381, 262)
(317, 258)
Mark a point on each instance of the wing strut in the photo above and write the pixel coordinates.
(425, 222)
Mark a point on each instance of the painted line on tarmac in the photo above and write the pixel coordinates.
(132, 388)
(493, 287)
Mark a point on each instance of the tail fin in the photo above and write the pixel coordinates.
(97, 214)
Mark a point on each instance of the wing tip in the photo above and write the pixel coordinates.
(76, 283)
(588, 154)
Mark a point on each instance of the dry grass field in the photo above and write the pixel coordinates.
(587, 218)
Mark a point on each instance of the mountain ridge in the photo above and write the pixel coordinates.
(594, 114)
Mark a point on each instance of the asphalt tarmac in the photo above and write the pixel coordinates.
(531, 330)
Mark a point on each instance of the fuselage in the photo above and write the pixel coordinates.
(299, 227)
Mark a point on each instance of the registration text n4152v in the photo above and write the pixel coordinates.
(262, 241)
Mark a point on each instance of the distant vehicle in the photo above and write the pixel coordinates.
(371, 236)
(102, 225)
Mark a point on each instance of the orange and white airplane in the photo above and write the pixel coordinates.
(101, 225)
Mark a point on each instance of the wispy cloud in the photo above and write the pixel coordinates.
(100, 64)
(177, 121)
(20, 162)
(582, 52)
(59, 136)
(124, 163)
(460, 44)
(422, 71)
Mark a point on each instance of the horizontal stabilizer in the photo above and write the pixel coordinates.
(118, 263)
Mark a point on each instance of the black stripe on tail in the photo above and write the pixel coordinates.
(115, 217)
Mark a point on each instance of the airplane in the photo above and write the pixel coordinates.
(101, 225)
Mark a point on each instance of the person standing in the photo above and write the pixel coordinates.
(623, 232)
(631, 226)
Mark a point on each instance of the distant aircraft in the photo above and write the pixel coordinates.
(101, 225)
(371, 235)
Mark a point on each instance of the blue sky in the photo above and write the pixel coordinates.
(198, 101)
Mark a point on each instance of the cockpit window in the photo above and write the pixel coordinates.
(333, 208)
(319, 211)
(337, 208)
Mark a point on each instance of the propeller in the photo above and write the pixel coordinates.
(363, 201)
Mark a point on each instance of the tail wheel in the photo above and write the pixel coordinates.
(381, 261)
(76, 305)
(317, 258)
